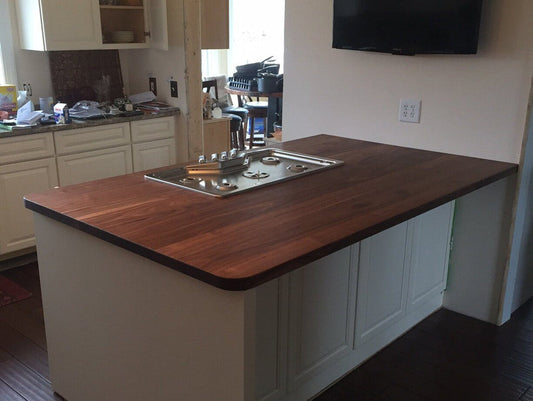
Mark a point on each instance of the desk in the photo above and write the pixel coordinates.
(274, 103)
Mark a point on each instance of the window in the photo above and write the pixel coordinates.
(256, 32)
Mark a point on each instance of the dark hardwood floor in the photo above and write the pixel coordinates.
(447, 357)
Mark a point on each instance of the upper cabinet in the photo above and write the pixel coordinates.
(215, 24)
(92, 24)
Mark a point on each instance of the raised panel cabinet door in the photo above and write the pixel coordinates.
(429, 254)
(154, 154)
(17, 180)
(158, 26)
(271, 340)
(59, 24)
(88, 166)
(382, 285)
(321, 314)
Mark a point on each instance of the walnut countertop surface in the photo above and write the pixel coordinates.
(242, 241)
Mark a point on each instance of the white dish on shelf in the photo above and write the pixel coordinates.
(122, 36)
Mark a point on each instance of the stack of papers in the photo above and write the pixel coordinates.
(25, 115)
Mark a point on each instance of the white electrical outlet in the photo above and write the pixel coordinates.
(409, 110)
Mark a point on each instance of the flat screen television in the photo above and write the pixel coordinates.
(407, 26)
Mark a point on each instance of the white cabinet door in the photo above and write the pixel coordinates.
(271, 340)
(383, 280)
(429, 254)
(88, 166)
(59, 24)
(158, 24)
(17, 180)
(154, 154)
(321, 314)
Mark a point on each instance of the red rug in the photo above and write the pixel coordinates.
(11, 292)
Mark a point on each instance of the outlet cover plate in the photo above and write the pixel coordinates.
(409, 110)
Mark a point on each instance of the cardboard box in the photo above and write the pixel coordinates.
(8, 98)
(61, 114)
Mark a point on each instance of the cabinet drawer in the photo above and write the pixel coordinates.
(150, 130)
(86, 139)
(26, 147)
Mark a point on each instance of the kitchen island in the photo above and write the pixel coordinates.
(155, 292)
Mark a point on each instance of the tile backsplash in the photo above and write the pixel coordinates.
(86, 75)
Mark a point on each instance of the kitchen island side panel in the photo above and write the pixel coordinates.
(121, 327)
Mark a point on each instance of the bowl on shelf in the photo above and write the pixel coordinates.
(122, 36)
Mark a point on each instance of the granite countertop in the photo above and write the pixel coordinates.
(244, 240)
(14, 131)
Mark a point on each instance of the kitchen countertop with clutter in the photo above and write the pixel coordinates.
(83, 114)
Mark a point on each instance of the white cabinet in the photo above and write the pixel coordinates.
(88, 166)
(34, 163)
(321, 314)
(154, 143)
(59, 24)
(85, 139)
(147, 19)
(271, 340)
(16, 180)
(85, 24)
(345, 307)
(27, 164)
(383, 280)
(154, 154)
(429, 254)
(88, 154)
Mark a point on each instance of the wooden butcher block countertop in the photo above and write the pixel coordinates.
(242, 241)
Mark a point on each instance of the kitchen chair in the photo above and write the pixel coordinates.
(236, 123)
(216, 86)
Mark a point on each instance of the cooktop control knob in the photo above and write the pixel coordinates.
(223, 156)
(233, 153)
(201, 159)
(214, 157)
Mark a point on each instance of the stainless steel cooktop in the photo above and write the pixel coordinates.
(235, 172)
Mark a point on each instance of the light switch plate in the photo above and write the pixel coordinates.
(409, 110)
(152, 83)
(173, 88)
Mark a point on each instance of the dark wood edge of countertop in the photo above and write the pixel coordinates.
(246, 283)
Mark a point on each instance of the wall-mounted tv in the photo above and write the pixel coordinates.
(407, 26)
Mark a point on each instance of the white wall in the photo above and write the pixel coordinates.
(471, 104)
